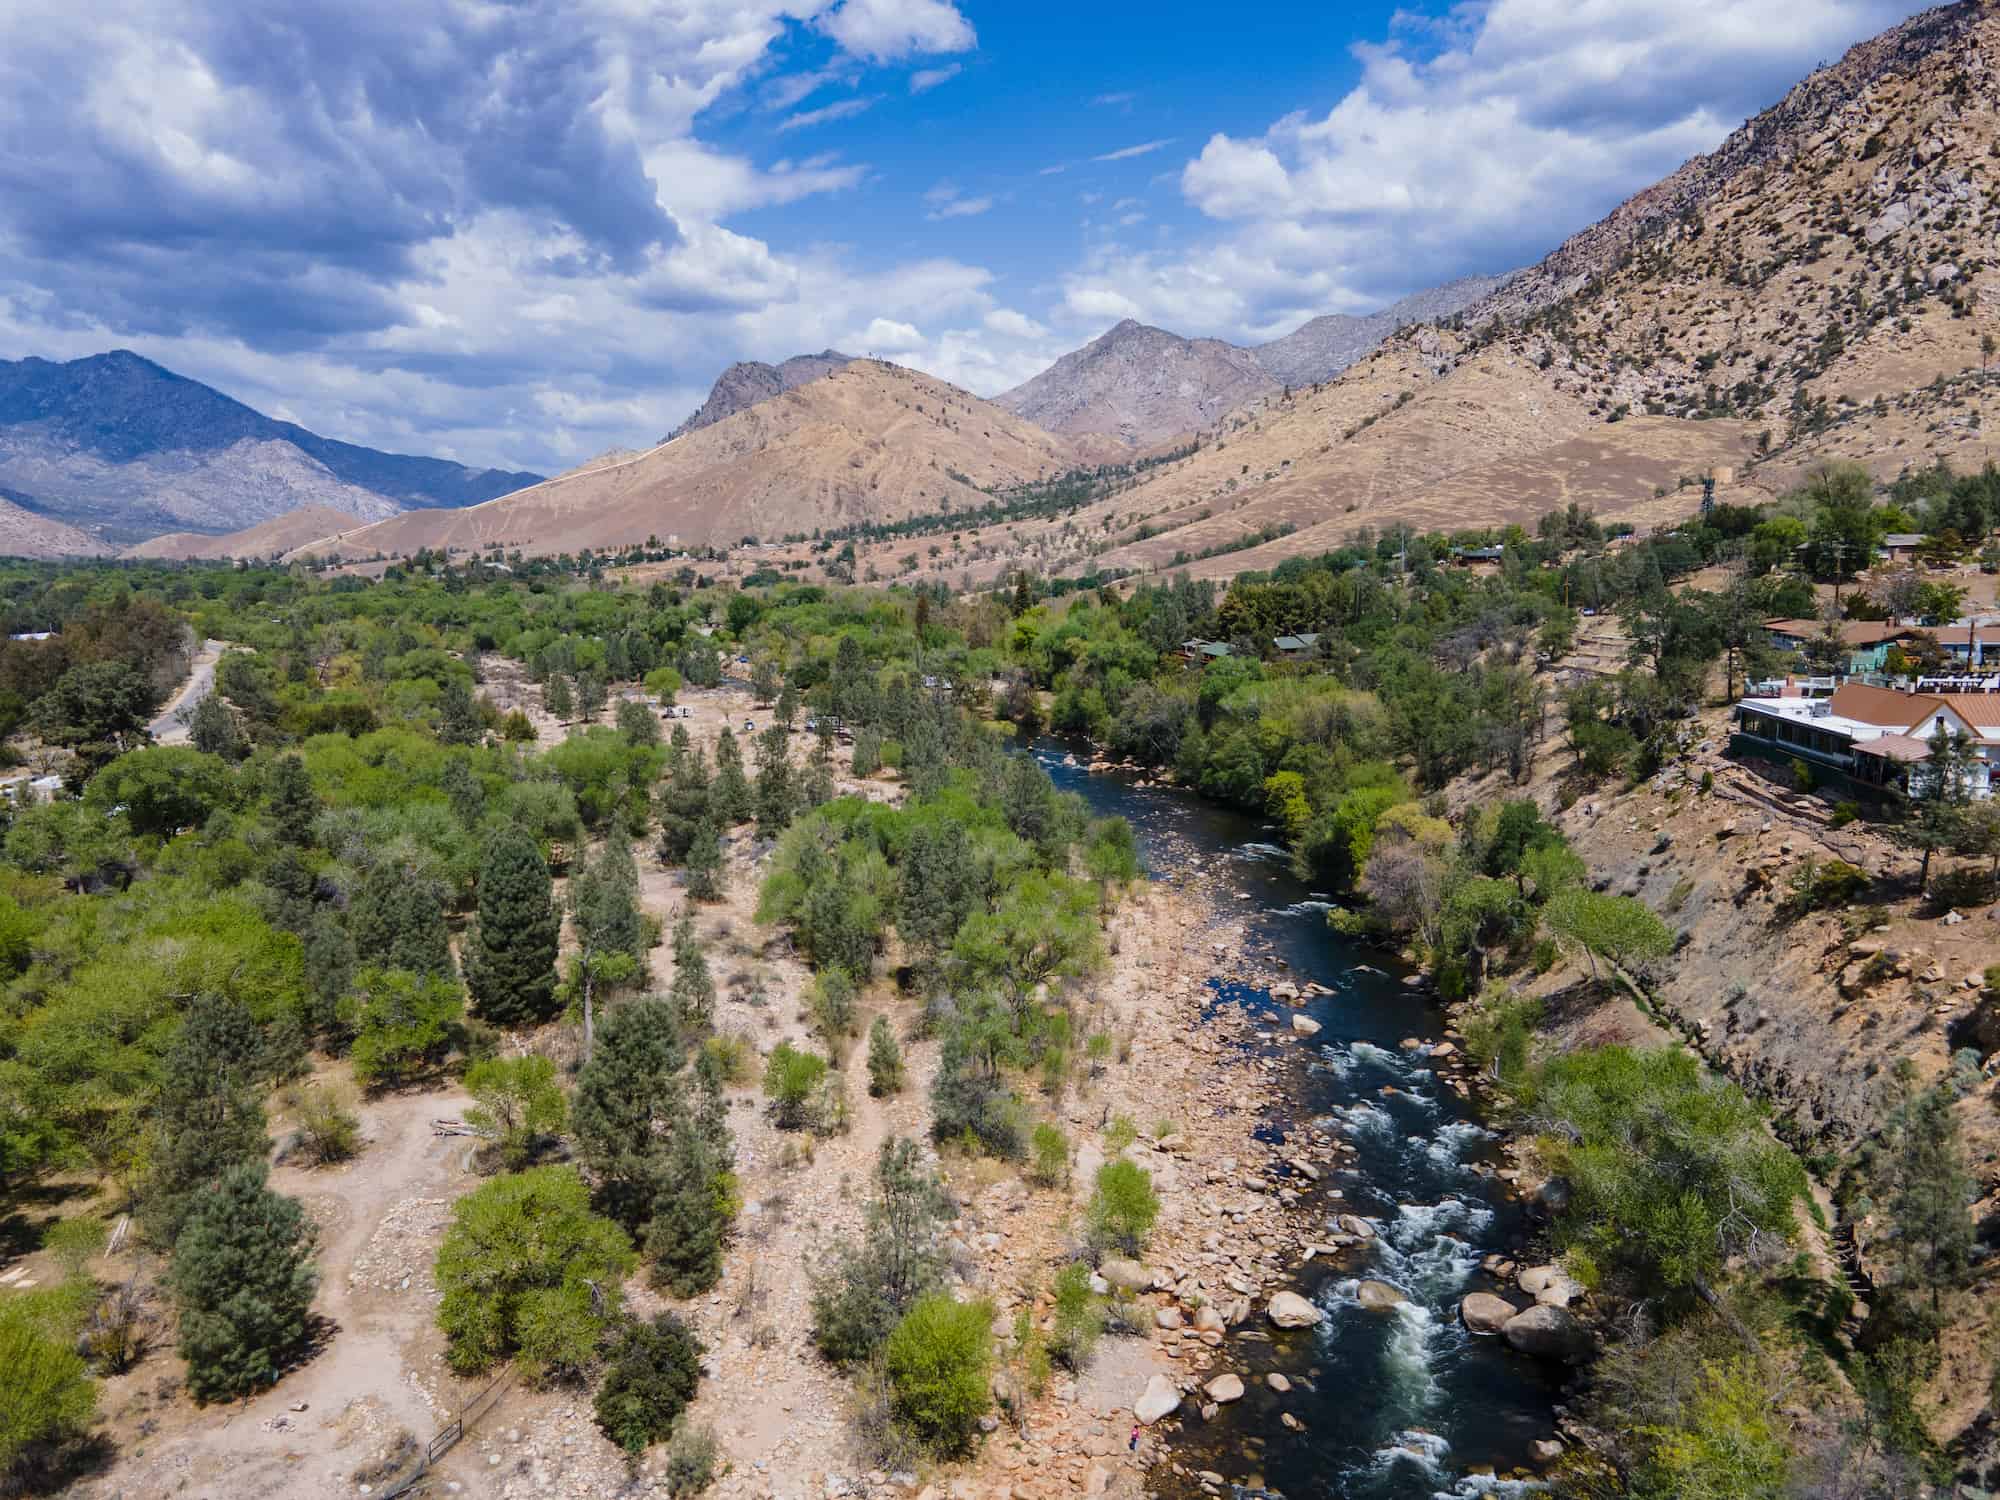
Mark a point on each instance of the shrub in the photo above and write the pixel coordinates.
(1964, 887)
(689, 1466)
(791, 1082)
(406, 1025)
(46, 1395)
(832, 1003)
(1120, 1134)
(526, 1269)
(74, 1243)
(329, 1130)
(1078, 1319)
(731, 1053)
(939, 1360)
(1051, 1154)
(885, 1059)
(1122, 1208)
(654, 1369)
(521, 1106)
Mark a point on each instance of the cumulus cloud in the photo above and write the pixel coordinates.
(885, 30)
(1470, 144)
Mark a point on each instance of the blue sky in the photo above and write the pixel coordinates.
(522, 234)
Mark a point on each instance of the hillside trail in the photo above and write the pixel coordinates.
(306, 1435)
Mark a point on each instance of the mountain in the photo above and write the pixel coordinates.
(273, 538)
(1820, 287)
(26, 533)
(1140, 385)
(1324, 347)
(872, 442)
(747, 382)
(119, 444)
(1145, 386)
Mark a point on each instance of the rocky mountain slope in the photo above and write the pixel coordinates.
(126, 448)
(272, 538)
(25, 533)
(872, 442)
(747, 382)
(1140, 385)
(1321, 349)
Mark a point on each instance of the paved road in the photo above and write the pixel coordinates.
(168, 728)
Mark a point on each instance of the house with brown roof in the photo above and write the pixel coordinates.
(1875, 735)
(1867, 641)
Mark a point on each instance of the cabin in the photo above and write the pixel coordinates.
(1203, 652)
(1296, 647)
(1900, 546)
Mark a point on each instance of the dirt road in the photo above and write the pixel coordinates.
(169, 728)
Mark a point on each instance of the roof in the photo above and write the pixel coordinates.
(1981, 710)
(1903, 539)
(1898, 747)
(1304, 641)
(1852, 632)
(1873, 705)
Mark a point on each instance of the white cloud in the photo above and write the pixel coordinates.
(925, 79)
(1103, 101)
(885, 30)
(1126, 153)
(947, 203)
(844, 110)
(887, 336)
(1004, 320)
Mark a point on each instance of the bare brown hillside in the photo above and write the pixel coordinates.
(872, 442)
(26, 534)
(272, 538)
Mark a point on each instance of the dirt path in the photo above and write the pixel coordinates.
(380, 1217)
(169, 728)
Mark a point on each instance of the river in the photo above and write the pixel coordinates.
(1398, 1406)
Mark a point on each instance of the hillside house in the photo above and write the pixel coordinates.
(1875, 735)
(1203, 652)
(1867, 642)
(1298, 647)
(1900, 546)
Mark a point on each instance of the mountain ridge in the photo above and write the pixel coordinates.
(749, 381)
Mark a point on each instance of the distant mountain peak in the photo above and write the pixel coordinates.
(750, 381)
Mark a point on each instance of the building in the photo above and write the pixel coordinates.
(1900, 546)
(1296, 647)
(1867, 641)
(1471, 555)
(1874, 735)
(1969, 644)
(1204, 651)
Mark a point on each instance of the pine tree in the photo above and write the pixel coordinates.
(885, 1059)
(1939, 791)
(788, 707)
(683, 805)
(329, 966)
(464, 791)
(730, 796)
(294, 804)
(590, 696)
(458, 716)
(819, 774)
(685, 1237)
(936, 886)
(210, 1115)
(1929, 1193)
(243, 1282)
(693, 992)
(558, 699)
(777, 793)
(610, 929)
(636, 724)
(628, 1096)
(398, 922)
(510, 956)
(704, 863)
(212, 729)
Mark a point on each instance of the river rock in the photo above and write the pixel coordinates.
(1126, 1275)
(1288, 993)
(1359, 1227)
(1545, 1450)
(1548, 1333)
(1483, 1312)
(1225, 1388)
(1378, 1296)
(1168, 1317)
(1305, 1025)
(1161, 1398)
(1277, 1382)
(1290, 1310)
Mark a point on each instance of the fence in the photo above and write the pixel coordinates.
(449, 1436)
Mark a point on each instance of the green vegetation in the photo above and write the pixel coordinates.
(650, 1376)
(243, 1283)
(1123, 1207)
(939, 1359)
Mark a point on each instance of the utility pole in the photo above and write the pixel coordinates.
(1839, 551)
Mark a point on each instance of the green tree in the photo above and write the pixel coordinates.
(558, 698)
(1619, 929)
(610, 930)
(1939, 789)
(730, 796)
(242, 1279)
(398, 921)
(627, 1099)
(527, 1270)
(777, 784)
(650, 1377)
(939, 1361)
(900, 1256)
(1922, 1178)
(162, 788)
(693, 991)
(1726, 1446)
(766, 678)
(1077, 1319)
(590, 696)
(683, 804)
(521, 1105)
(704, 863)
(510, 955)
(691, 1215)
(791, 1079)
(458, 716)
(636, 723)
(885, 1059)
(210, 1115)
(1123, 1207)
(1111, 855)
(936, 882)
(212, 729)
(405, 1024)
(46, 1394)
(294, 805)
(97, 710)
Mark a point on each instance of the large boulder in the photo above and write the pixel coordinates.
(1551, 1286)
(1161, 1398)
(1126, 1275)
(1225, 1388)
(1290, 1310)
(1483, 1312)
(1548, 1333)
(1305, 1025)
(1378, 1296)
(1208, 1319)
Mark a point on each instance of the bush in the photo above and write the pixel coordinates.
(1051, 1154)
(731, 1053)
(46, 1395)
(1966, 886)
(939, 1360)
(885, 1059)
(405, 1026)
(654, 1369)
(1123, 1207)
(1120, 1134)
(521, 1106)
(791, 1082)
(329, 1130)
(689, 1466)
(526, 1269)
(1078, 1319)
(832, 1003)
